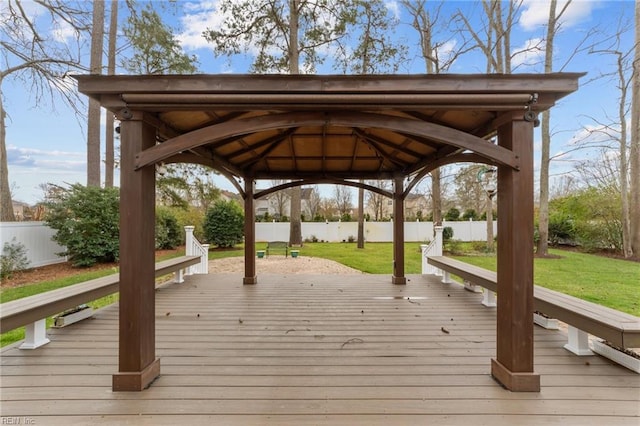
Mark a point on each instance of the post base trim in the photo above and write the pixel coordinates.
(515, 381)
(136, 381)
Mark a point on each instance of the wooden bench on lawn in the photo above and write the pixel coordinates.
(582, 317)
(281, 246)
(32, 311)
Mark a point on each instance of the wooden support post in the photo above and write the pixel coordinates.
(249, 234)
(513, 366)
(138, 365)
(398, 233)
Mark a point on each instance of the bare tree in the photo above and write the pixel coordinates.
(37, 59)
(495, 41)
(343, 197)
(617, 129)
(280, 200)
(285, 33)
(109, 151)
(313, 203)
(93, 115)
(378, 203)
(553, 26)
(634, 149)
(375, 53)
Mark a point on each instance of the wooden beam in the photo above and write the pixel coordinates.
(398, 232)
(138, 365)
(513, 365)
(249, 233)
(221, 131)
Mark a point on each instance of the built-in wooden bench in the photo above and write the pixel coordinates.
(281, 246)
(32, 311)
(582, 317)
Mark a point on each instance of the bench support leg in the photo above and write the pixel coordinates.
(469, 286)
(179, 276)
(35, 335)
(446, 277)
(489, 299)
(578, 342)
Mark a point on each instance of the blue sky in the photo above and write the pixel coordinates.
(46, 141)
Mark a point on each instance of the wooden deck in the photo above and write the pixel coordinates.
(312, 350)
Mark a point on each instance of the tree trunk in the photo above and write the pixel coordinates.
(6, 204)
(109, 151)
(295, 230)
(634, 150)
(93, 115)
(542, 248)
(436, 197)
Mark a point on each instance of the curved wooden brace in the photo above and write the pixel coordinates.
(220, 131)
(455, 158)
(287, 185)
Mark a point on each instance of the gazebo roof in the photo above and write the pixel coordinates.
(326, 127)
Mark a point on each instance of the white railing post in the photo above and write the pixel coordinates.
(35, 335)
(189, 249)
(204, 259)
(194, 248)
(432, 249)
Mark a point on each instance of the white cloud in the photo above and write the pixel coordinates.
(63, 31)
(393, 7)
(535, 13)
(197, 18)
(33, 157)
(530, 53)
(594, 135)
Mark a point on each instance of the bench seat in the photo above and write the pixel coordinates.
(17, 313)
(281, 246)
(619, 328)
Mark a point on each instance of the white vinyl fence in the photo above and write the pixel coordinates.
(36, 238)
(373, 231)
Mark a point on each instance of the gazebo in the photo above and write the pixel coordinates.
(327, 129)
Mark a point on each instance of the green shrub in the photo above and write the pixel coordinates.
(224, 224)
(561, 228)
(13, 258)
(452, 214)
(191, 216)
(168, 233)
(447, 233)
(87, 223)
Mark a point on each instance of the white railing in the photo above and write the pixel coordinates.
(193, 247)
(432, 249)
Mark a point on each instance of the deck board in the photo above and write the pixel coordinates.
(322, 350)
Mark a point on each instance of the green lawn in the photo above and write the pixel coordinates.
(610, 282)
